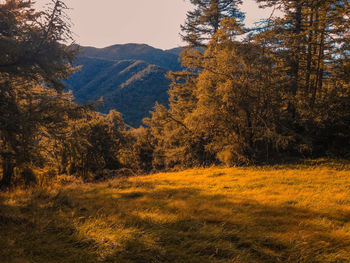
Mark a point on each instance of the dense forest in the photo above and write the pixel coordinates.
(275, 92)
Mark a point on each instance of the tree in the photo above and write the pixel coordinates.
(281, 91)
(178, 143)
(33, 62)
(141, 152)
(32, 43)
(93, 143)
(312, 34)
(238, 100)
(310, 43)
(204, 21)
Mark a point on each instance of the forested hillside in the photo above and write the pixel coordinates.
(130, 86)
(131, 78)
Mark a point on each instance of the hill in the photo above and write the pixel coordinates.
(295, 213)
(130, 86)
(167, 59)
(130, 78)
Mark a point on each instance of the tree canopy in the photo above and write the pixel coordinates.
(282, 91)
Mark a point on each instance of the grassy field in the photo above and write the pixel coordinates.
(295, 213)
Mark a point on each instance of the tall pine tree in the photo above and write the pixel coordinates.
(33, 60)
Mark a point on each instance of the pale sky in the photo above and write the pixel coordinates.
(102, 23)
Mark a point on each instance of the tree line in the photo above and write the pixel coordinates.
(255, 95)
(245, 96)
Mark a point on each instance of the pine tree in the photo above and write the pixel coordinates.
(281, 91)
(32, 43)
(204, 21)
(33, 60)
(178, 142)
(310, 42)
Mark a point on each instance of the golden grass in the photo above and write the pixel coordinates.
(267, 214)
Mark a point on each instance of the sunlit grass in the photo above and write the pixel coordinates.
(291, 213)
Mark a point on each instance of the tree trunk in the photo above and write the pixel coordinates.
(309, 53)
(295, 58)
(7, 172)
(215, 15)
(320, 70)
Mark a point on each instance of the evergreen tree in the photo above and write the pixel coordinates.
(204, 21)
(281, 91)
(32, 55)
(311, 44)
(178, 142)
(32, 43)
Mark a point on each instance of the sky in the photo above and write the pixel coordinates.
(102, 23)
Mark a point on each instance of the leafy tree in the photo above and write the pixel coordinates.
(142, 151)
(175, 144)
(237, 101)
(94, 143)
(32, 117)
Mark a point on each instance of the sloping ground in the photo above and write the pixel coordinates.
(270, 214)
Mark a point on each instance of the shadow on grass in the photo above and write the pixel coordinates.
(169, 225)
(34, 232)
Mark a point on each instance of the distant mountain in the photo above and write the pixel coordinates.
(175, 51)
(130, 78)
(151, 55)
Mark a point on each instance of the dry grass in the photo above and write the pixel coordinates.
(270, 214)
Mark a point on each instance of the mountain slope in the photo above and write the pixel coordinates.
(129, 86)
(175, 51)
(130, 78)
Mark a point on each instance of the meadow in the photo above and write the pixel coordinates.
(286, 213)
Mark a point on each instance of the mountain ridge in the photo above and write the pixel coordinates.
(164, 58)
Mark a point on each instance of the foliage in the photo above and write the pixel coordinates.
(33, 62)
(280, 91)
(142, 150)
(32, 43)
(204, 21)
(40, 127)
(310, 44)
(93, 143)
